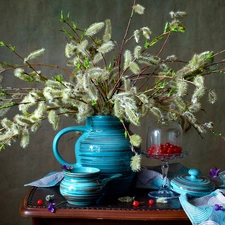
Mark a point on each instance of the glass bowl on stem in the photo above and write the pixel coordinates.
(164, 143)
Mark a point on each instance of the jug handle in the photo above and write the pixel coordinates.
(56, 140)
(107, 179)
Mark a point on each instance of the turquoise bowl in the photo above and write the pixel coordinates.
(82, 186)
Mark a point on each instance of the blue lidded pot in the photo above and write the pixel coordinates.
(192, 184)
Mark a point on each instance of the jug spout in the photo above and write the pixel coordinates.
(106, 180)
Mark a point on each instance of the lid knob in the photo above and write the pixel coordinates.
(194, 174)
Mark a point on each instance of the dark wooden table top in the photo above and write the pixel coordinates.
(107, 209)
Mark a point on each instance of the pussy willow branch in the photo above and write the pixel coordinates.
(148, 77)
(92, 39)
(145, 68)
(80, 39)
(121, 50)
(68, 24)
(127, 132)
(124, 38)
(26, 63)
(164, 44)
(42, 119)
(220, 52)
(41, 65)
(7, 46)
(138, 76)
(158, 37)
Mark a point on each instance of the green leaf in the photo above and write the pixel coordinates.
(109, 67)
(155, 40)
(61, 17)
(181, 29)
(169, 72)
(216, 133)
(58, 78)
(171, 92)
(7, 105)
(27, 114)
(165, 27)
(221, 71)
(94, 102)
(112, 102)
(28, 79)
(68, 17)
(86, 63)
(12, 48)
(209, 56)
(8, 64)
(173, 73)
(83, 34)
(125, 134)
(2, 147)
(2, 93)
(177, 28)
(2, 44)
(74, 26)
(78, 66)
(163, 84)
(147, 45)
(67, 32)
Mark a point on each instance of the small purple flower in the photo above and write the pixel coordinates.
(67, 167)
(218, 207)
(214, 172)
(51, 207)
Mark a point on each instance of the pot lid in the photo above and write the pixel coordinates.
(192, 183)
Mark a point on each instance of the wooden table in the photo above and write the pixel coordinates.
(108, 211)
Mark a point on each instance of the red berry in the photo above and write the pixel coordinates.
(179, 149)
(165, 147)
(150, 201)
(135, 203)
(170, 150)
(167, 144)
(39, 202)
(150, 150)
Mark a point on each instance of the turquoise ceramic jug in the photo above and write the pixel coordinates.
(102, 145)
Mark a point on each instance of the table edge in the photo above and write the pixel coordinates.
(115, 214)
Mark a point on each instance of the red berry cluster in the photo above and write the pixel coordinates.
(166, 149)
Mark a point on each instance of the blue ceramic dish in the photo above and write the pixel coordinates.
(192, 184)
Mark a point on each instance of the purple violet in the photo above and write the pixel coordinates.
(67, 167)
(51, 207)
(214, 172)
(218, 207)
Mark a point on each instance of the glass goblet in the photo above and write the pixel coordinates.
(164, 143)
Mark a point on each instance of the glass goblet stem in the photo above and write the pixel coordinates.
(165, 169)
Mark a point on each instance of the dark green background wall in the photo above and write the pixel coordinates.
(32, 24)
